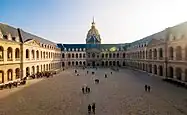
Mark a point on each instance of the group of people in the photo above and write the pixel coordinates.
(147, 88)
(13, 84)
(86, 89)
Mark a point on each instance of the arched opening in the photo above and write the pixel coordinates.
(10, 75)
(37, 68)
(44, 66)
(178, 53)
(143, 67)
(150, 68)
(143, 54)
(114, 63)
(47, 55)
(84, 63)
(33, 55)
(41, 54)
(114, 55)
(103, 63)
(110, 63)
(72, 55)
(102, 55)
(63, 55)
(73, 63)
(1, 76)
(178, 73)
(17, 73)
(9, 54)
(84, 55)
(76, 55)
(106, 55)
(80, 55)
(63, 64)
(80, 63)
(47, 67)
(41, 68)
(171, 53)
(27, 71)
(123, 55)
(155, 53)
(118, 64)
(17, 54)
(110, 55)
(150, 54)
(106, 63)
(69, 55)
(44, 54)
(160, 70)
(37, 54)
(77, 63)
(33, 70)
(155, 69)
(93, 55)
(117, 55)
(170, 72)
(123, 63)
(160, 53)
(69, 63)
(1, 53)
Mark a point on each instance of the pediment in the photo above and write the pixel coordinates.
(32, 42)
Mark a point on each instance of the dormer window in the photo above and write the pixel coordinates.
(14, 38)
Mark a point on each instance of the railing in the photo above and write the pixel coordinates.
(9, 59)
(17, 59)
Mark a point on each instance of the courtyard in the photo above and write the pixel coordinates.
(122, 93)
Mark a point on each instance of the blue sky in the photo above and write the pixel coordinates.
(67, 21)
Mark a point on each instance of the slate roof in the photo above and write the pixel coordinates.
(6, 29)
(27, 36)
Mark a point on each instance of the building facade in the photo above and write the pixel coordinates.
(23, 54)
(162, 54)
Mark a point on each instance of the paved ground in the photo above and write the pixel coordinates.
(122, 93)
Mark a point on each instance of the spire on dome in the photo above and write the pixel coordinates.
(93, 23)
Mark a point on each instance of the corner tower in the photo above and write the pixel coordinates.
(93, 36)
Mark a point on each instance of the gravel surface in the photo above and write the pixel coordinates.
(122, 93)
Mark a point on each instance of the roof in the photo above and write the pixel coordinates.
(27, 36)
(6, 29)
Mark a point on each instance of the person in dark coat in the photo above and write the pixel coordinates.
(89, 108)
(111, 72)
(86, 89)
(93, 108)
(146, 87)
(105, 75)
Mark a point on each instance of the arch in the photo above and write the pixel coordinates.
(171, 53)
(44, 67)
(150, 68)
(114, 55)
(178, 73)
(170, 72)
(160, 68)
(155, 53)
(44, 54)
(72, 55)
(118, 64)
(41, 68)
(123, 55)
(63, 64)
(178, 53)
(33, 70)
(9, 54)
(150, 54)
(33, 54)
(93, 55)
(84, 63)
(102, 63)
(73, 63)
(155, 69)
(117, 55)
(69, 55)
(77, 55)
(143, 66)
(114, 63)
(47, 67)
(160, 53)
(80, 62)
(106, 63)
(41, 54)
(106, 55)
(1, 53)
(102, 55)
(10, 74)
(69, 63)
(37, 68)
(143, 54)
(80, 55)
(17, 53)
(110, 55)
(1, 76)
(47, 55)
(76, 63)
(124, 63)
(27, 71)
(37, 54)
(17, 73)
(84, 55)
(110, 63)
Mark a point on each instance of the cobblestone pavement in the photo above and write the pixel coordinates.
(122, 93)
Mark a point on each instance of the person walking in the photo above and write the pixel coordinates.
(93, 108)
(146, 88)
(89, 109)
(88, 90)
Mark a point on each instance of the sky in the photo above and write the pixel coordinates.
(68, 21)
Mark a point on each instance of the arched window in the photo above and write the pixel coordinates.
(150, 54)
(170, 72)
(63, 55)
(178, 53)
(76, 55)
(178, 73)
(93, 55)
(114, 55)
(80, 55)
(44, 55)
(41, 54)
(123, 55)
(72, 55)
(33, 70)
(110, 55)
(27, 71)
(155, 53)
(33, 55)
(171, 53)
(17, 53)
(160, 53)
(37, 54)
(84, 55)
(117, 55)
(1, 53)
(9, 54)
(102, 55)
(106, 55)
(27, 53)
(69, 55)
(37, 68)
(17, 73)
(10, 75)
